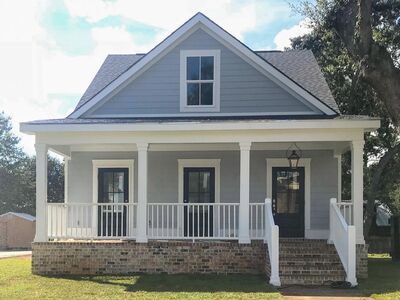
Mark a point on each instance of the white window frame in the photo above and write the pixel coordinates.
(215, 107)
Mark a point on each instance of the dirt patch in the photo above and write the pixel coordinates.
(321, 293)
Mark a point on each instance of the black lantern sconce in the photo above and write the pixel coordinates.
(293, 154)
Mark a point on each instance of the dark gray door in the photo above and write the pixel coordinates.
(113, 187)
(288, 201)
(199, 187)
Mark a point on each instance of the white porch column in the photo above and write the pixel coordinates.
(339, 171)
(66, 168)
(41, 193)
(357, 188)
(141, 219)
(244, 234)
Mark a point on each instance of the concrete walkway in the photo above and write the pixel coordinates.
(7, 254)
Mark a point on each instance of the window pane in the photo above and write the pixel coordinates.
(206, 94)
(193, 94)
(192, 68)
(207, 67)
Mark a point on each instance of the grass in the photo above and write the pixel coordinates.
(384, 278)
(17, 282)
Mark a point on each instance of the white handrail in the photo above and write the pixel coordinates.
(343, 236)
(272, 239)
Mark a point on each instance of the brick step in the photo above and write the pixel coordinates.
(289, 256)
(303, 263)
(309, 262)
(322, 273)
(310, 279)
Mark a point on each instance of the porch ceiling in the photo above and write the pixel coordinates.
(65, 150)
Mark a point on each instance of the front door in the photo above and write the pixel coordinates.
(288, 200)
(199, 187)
(112, 188)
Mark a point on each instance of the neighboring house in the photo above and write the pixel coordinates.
(17, 230)
(181, 151)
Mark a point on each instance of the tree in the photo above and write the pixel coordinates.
(17, 174)
(346, 74)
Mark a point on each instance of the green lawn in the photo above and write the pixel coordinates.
(384, 278)
(17, 282)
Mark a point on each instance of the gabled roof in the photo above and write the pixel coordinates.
(299, 65)
(96, 93)
(20, 215)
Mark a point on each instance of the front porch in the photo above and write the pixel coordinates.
(201, 185)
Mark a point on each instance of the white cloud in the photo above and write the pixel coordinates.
(237, 17)
(282, 38)
(33, 69)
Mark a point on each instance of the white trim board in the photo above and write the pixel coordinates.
(200, 21)
(365, 125)
(303, 162)
(199, 163)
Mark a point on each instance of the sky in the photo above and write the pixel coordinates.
(50, 50)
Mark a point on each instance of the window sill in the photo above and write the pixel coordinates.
(200, 109)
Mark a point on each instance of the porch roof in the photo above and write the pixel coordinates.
(225, 123)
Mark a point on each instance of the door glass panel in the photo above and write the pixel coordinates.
(204, 182)
(193, 198)
(119, 198)
(194, 182)
(118, 182)
(287, 192)
(108, 182)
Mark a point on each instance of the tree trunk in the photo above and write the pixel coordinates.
(353, 25)
(374, 186)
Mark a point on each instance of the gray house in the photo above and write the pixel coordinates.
(204, 156)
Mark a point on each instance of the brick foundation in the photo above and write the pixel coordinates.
(362, 261)
(126, 257)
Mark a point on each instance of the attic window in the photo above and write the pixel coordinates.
(199, 80)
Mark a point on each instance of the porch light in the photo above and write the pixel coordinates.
(294, 157)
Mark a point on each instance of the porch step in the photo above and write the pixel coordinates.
(309, 262)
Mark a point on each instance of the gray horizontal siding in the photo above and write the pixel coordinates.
(242, 87)
(163, 177)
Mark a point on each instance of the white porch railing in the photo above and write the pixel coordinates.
(257, 221)
(346, 208)
(343, 236)
(193, 220)
(272, 239)
(164, 221)
(91, 221)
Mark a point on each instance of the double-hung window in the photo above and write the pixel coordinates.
(199, 80)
